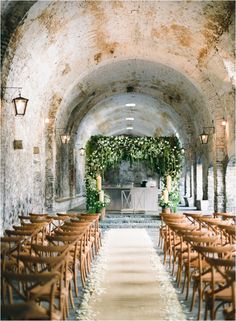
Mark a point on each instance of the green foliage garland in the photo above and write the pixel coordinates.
(162, 154)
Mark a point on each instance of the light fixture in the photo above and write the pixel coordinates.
(129, 127)
(130, 105)
(82, 151)
(20, 103)
(65, 138)
(224, 122)
(205, 135)
(129, 118)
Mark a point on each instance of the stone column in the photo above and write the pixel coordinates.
(220, 167)
(49, 173)
(50, 154)
(72, 171)
(199, 187)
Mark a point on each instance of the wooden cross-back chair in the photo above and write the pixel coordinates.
(203, 276)
(87, 227)
(229, 312)
(57, 250)
(31, 235)
(18, 302)
(198, 266)
(79, 255)
(221, 262)
(86, 243)
(185, 257)
(35, 264)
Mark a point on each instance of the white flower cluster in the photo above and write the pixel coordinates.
(93, 288)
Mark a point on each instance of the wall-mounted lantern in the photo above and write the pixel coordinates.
(205, 135)
(20, 103)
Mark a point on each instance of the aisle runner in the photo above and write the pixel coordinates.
(128, 282)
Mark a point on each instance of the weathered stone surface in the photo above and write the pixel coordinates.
(80, 61)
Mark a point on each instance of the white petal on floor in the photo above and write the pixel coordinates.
(129, 282)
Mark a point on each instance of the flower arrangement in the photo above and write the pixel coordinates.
(173, 196)
(164, 204)
(162, 155)
(94, 205)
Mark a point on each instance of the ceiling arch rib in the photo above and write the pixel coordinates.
(178, 96)
(150, 117)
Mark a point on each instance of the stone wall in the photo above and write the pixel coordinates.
(72, 58)
(126, 174)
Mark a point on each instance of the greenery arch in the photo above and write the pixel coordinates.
(162, 154)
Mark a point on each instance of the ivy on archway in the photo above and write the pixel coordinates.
(163, 155)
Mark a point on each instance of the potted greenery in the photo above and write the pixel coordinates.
(174, 200)
(166, 206)
(95, 206)
(174, 196)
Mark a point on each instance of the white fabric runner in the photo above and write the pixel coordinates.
(128, 282)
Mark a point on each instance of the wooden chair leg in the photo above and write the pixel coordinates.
(193, 296)
(200, 299)
(71, 297)
(184, 282)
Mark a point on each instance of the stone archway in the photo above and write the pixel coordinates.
(89, 112)
(182, 69)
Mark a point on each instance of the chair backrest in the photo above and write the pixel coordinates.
(203, 240)
(37, 215)
(227, 251)
(28, 281)
(223, 266)
(62, 239)
(19, 288)
(50, 250)
(68, 214)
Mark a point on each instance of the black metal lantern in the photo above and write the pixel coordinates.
(204, 137)
(20, 104)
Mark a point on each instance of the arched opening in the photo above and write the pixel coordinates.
(104, 112)
(162, 155)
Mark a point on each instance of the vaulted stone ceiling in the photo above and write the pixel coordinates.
(79, 62)
(87, 51)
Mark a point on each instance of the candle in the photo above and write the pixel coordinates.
(168, 183)
(99, 183)
(165, 195)
(101, 196)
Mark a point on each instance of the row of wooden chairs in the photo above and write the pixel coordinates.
(41, 260)
(200, 250)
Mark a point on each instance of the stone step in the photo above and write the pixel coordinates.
(114, 226)
(129, 221)
(186, 209)
(120, 221)
(125, 219)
